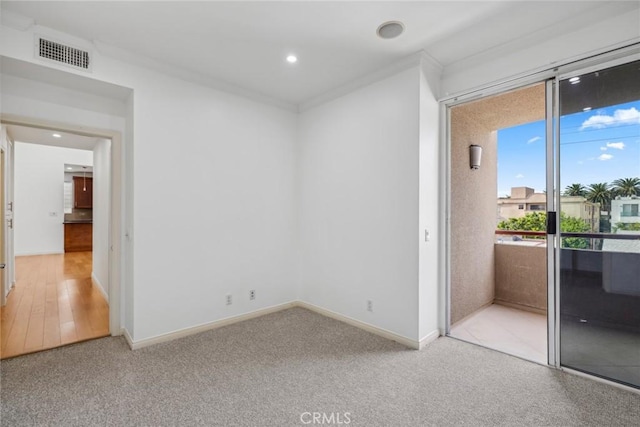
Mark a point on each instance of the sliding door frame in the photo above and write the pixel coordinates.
(551, 77)
(553, 202)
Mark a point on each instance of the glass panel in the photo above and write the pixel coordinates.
(600, 226)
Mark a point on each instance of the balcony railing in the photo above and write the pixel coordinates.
(521, 233)
(521, 269)
(521, 265)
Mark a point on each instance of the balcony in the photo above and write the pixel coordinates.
(600, 299)
(515, 320)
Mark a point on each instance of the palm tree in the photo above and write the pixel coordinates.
(575, 190)
(600, 193)
(626, 187)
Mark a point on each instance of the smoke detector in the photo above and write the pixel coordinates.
(390, 29)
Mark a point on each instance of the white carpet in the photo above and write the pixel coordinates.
(273, 370)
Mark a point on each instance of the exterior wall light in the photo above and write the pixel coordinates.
(475, 156)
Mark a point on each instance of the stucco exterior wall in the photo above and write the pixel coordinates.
(473, 192)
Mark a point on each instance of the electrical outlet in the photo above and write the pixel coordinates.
(252, 294)
(229, 299)
(369, 305)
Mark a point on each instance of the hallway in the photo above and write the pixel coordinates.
(54, 303)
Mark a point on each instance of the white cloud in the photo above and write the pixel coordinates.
(519, 176)
(534, 139)
(620, 117)
(616, 145)
(603, 148)
(605, 157)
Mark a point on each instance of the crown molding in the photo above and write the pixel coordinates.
(420, 58)
(188, 75)
(429, 61)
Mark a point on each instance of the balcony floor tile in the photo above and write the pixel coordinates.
(506, 329)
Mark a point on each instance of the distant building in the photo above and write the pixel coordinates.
(579, 207)
(620, 272)
(625, 210)
(524, 200)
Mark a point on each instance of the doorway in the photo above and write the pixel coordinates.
(498, 265)
(3, 255)
(564, 250)
(62, 240)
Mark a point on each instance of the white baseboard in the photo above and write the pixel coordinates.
(206, 326)
(128, 338)
(98, 285)
(418, 345)
(429, 338)
(361, 325)
(40, 253)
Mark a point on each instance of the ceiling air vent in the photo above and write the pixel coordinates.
(65, 54)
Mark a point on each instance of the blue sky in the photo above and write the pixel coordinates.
(596, 146)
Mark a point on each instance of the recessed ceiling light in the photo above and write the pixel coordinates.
(69, 169)
(57, 135)
(390, 29)
(292, 59)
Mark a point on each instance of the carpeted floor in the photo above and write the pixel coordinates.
(279, 369)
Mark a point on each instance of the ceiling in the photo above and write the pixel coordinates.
(245, 43)
(45, 137)
(71, 168)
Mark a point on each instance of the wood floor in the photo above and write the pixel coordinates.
(54, 303)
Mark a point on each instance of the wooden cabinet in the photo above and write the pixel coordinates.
(78, 237)
(82, 192)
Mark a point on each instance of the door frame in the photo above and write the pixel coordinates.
(548, 76)
(6, 223)
(116, 224)
(3, 228)
(552, 116)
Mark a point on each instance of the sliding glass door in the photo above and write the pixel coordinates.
(560, 247)
(598, 202)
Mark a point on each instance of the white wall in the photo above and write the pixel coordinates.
(127, 256)
(213, 205)
(432, 202)
(21, 96)
(39, 196)
(101, 214)
(358, 190)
